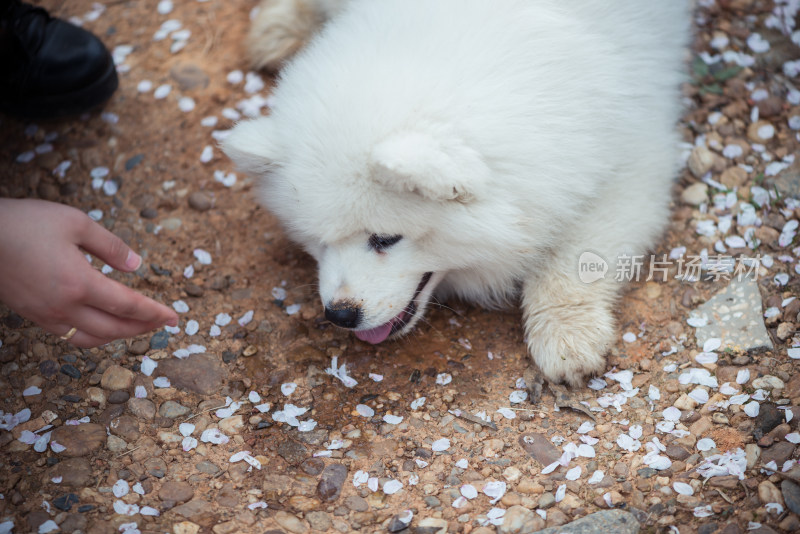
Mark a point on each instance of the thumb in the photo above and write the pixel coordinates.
(104, 245)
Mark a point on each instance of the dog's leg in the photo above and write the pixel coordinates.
(282, 27)
(569, 318)
(569, 324)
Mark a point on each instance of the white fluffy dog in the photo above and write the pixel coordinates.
(471, 148)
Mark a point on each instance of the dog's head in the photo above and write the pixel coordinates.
(385, 216)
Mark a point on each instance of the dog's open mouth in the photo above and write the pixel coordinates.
(380, 333)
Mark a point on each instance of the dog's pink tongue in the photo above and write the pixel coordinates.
(375, 335)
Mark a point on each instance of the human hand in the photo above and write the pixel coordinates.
(44, 275)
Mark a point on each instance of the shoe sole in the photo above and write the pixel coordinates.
(68, 104)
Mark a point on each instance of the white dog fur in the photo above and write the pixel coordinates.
(500, 139)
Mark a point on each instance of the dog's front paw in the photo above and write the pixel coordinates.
(568, 341)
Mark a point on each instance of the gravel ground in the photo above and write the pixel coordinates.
(257, 416)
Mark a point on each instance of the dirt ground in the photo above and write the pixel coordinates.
(121, 454)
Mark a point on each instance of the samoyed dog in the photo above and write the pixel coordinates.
(472, 149)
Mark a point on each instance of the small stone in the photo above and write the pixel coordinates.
(291, 522)
(695, 194)
(116, 444)
(769, 416)
(720, 418)
(126, 427)
(779, 453)
(685, 402)
(172, 410)
(97, 395)
(293, 452)
(80, 440)
(676, 452)
(700, 161)
(701, 426)
(768, 382)
(356, 503)
(117, 377)
(160, 340)
(74, 472)
(71, 371)
(48, 368)
(148, 213)
(312, 466)
(519, 519)
(318, 520)
(790, 490)
(133, 161)
(769, 492)
(604, 521)
(189, 76)
(200, 373)
(65, 502)
(431, 525)
(185, 527)
(396, 525)
(785, 331)
(142, 408)
(331, 482)
(208, 468)
(176, 491)
(546, 500)
(752, 453)
(539, 448)
(200, 201)
(118, 397)
(733, 177)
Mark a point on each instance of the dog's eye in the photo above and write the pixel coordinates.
(379, 242)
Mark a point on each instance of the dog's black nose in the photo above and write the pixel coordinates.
(344, 314)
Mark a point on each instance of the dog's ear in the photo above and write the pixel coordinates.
(419, 163)
(251, 146)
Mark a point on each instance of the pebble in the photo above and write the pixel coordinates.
(290, 522)
(74, 472)
(602, 522)
(790, 491)
(116, 378)
(208, 468)
(71, 371)
(779, 453)
(118, 397)
(539, 448)
(80, 440)
(432, 525)
(48, 368)
(96, 395)
(200, 201)
(318, 520)
(173, 410)
(700, 161)
(769, 416)
(356, 503)
(126, 427)
(176, 491)
(232, 425)
(546, 500)
(142, 408)
(695, 194)
(769, 492)
(396, 525)
(185, 527)
(200, 373)
(742, 328)
(116, 444)
(189, 76)
(331, 482)
(159, 340)
(133, 161)
(294, 453)
(65, 501)
(520, 520)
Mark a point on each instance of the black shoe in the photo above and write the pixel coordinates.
(50, 68)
